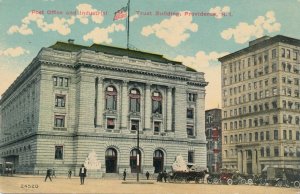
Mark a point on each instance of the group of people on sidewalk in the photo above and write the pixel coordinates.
(82, 174)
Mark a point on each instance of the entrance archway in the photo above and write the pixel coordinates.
(111, 159)
(133, 160)
(158, 161)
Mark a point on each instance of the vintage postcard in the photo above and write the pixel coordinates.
(154, 97)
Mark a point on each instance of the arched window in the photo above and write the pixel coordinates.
(156, 102)
(158, 161)
(111, 98)
(135, 156)
(135, 100)
(111, 160)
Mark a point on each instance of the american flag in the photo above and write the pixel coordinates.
(121, 14)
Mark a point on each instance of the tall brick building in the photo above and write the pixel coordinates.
(261, 105)
(74, 100)
(213, 131)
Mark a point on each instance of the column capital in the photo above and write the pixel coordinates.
(100, 80)
(125, 82)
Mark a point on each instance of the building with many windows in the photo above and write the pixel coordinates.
(213, 132)
(261, 105)
(75, 101)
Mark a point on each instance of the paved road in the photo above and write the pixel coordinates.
(21, 184)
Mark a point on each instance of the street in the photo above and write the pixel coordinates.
(36, 184)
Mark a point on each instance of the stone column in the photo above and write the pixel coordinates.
(169, 109)
(240, 161)
(244, 161)
(124, 104)
(148, 109)
(100, 103)
(254, 163)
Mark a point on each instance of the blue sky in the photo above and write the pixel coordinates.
(191, 38)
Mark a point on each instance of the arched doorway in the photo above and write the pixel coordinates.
(111, 159)
(133, 160)
(158, 161)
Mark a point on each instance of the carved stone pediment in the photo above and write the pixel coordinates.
(110, 113)
(157, 116)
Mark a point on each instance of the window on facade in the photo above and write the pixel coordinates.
(275, 134)
(58, 152)
(290, 135)
(262, 137)
(60, 100)
(283, 52)
(225, 139)
(284, 134)
(135, 125)
(288, 54)
(135, 99)
(268, 153)
(55, 81)
(59, 121)
(156, 103)
(256, 136)
(297, 135)
(191, 157)
(157, 126)
(273, 53)
(231, 139)
(190, 130)
(276, 152)
(250, 137)
(262, 152)
(192, 97)
(190, 113)
(111, 98)
(110, 123)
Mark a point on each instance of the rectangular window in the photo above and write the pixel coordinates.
(273, 53)
(55, 81)
(66, 82)
(60, 81)
(290, 135)
(135, 125)
(59, 121)
(284, 134)
(276, 152)
(191, 157)
(157, 126)
(60, 100)
(190, 130)
(275, 134)
(110, 123)
(267, 135)
(59, 152)
(268, 153)
(190, 113)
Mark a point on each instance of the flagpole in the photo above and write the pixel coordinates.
(128, 7)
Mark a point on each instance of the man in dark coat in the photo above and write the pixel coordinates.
(82, 174)
(147, 175)
(124, 175)
(48, 175)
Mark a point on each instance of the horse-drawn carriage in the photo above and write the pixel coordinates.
(186, 176)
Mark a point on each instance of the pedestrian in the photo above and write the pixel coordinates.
(147, 175)
(69, 173)
(53, 173)
(124, 175)
(48, 175)
(165, 175)
(82, 174)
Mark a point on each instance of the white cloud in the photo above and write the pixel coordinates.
(85, 18)
(134, 17)
(243, 31)
(101, 35)
(207, 63)
(219, 11)
(59, 24)
(173, 30)
(14, 52)
(201, 59)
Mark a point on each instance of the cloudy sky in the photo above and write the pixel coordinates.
(195, 32)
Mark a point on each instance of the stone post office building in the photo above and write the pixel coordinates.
(73, 100)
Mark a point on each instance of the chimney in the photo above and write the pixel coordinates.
(71, 41)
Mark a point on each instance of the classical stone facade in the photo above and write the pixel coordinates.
(213, 132)
(261, 105)
(76, 104)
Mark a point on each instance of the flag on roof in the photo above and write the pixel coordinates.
(121, 14)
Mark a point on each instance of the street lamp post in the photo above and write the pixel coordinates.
(138, 155)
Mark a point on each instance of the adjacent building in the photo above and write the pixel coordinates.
(261, 105)
(77, 104)
(213, 131)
